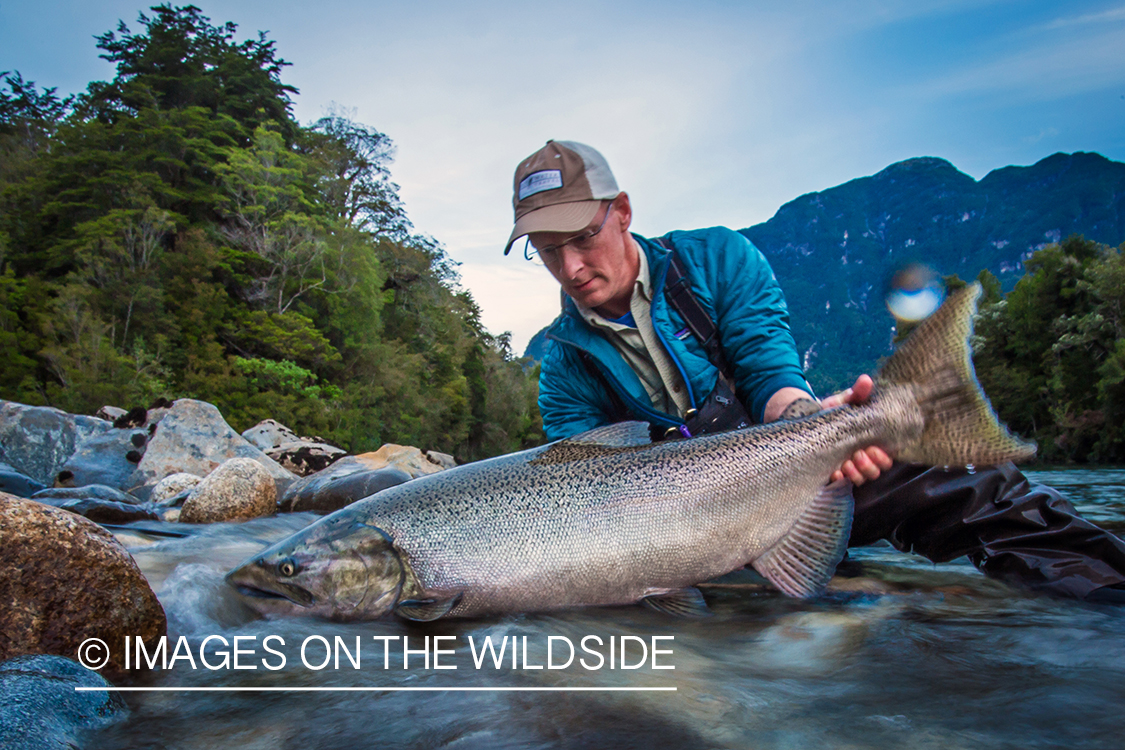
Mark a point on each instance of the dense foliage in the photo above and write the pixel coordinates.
(1051, 355)
(175, 232)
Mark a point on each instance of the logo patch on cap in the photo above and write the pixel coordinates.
(537, 182)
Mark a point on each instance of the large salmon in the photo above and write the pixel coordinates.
(607, 517)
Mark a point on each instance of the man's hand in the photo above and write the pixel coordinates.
(868, 463)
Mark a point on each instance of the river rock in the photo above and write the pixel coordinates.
(15, 483)
(405, 457)
(303, 457)
(64, 579)
(37, 440)
(40, 708)
(110, 413)
(444, 460)
(328, 494)
(107, 511)
(108, 459)
(172, 486)
(300, 455)
(268, 434)
(192, 437)
(238, 490)
(56, 495)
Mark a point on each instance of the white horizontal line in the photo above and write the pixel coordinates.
(366, 689)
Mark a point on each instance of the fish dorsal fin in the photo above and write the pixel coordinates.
(802, 561)
(426, 610)
(622, 437)
(687, 602)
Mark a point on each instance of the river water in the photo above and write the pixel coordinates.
(908, 655)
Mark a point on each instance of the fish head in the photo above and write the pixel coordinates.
(338, 568)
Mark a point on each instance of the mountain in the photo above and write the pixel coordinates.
(834, 251)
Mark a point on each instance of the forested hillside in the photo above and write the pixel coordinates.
(175, 232)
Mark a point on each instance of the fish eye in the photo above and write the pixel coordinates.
(287, 567)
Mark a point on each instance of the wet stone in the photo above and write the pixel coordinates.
(54, 495)
(332, 493)
(107, 511)
(72, 581)
(108, 459)
(15, 483)
(40, 707)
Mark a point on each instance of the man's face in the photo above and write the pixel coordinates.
(598, 272)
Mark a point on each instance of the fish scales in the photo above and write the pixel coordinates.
(608, 528)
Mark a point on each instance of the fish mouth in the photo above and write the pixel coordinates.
(279, 591)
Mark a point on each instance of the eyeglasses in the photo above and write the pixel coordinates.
(581, 243)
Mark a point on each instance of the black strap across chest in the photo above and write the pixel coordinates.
(677, 289)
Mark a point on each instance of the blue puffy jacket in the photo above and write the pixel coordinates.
(734, 283)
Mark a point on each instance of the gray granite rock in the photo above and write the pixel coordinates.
(109, 459)
(268, 434)
(17, 483)
(37, 441)
(192, 437)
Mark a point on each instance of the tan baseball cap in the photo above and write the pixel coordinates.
(559, 189)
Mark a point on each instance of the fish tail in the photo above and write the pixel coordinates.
(935, 362)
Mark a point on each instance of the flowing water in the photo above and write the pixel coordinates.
(909, 655)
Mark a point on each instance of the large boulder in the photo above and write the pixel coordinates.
(110, 459)
(300, 455)
(238, 490)
(64, 579)
(192, 437)
(41, 709)
(322, 493)
(37, 441)
(355, 477)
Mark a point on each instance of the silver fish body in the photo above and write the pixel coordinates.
(608, 517)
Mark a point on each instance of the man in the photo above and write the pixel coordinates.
(690, 333)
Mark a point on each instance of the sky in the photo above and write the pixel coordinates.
(716, 112)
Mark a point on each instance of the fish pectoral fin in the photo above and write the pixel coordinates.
(802, 561)
(686, 602)
(426, 610)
